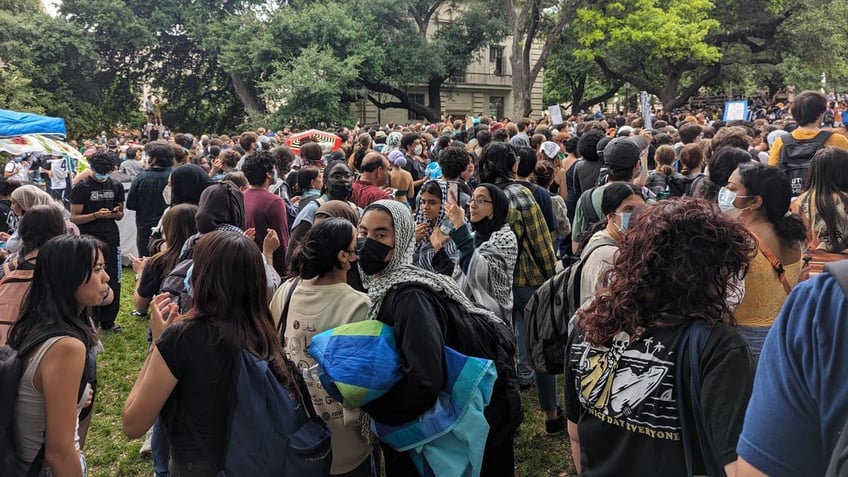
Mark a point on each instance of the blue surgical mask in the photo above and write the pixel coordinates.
(187, 282)
(100, 177)
(625, 220)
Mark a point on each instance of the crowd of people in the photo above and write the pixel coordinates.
(707, 339)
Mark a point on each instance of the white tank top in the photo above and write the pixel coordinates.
(30, 420)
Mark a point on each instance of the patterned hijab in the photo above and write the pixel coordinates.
(420, 218)
(401, 271)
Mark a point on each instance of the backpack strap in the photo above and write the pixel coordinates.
(578, 272)
(775, 263)
(281, 324)
(839, 271)
(691, 347)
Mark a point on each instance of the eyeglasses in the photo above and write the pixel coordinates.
(480, 201)
(341, 176)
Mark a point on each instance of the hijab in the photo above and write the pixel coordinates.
(187, 184)
(484, 229)
(338, 208)
(400, 270)
(220, 204)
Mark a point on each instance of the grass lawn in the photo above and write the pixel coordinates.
(109, 453)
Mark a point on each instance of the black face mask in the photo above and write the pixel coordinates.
(372, 255)
(339, 191)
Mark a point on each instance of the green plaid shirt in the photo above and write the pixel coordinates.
(536, 258)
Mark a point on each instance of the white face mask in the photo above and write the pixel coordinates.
(418, 150)
(726, 199)
(166, 194)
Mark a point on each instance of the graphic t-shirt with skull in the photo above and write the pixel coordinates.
(623, 398)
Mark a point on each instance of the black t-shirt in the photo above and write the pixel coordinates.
(94, 196)
(5, 210)
(196, 412)
(151, 279)
(624, 401)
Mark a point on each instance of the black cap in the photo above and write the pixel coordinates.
(623, 152)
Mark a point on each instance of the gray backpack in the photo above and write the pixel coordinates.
(549, 310)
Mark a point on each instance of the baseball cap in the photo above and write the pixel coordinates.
(600, 147)
(550, 149)
(772, 136)
(623, 152)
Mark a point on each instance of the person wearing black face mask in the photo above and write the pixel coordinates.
(338, 185)
(429, 312)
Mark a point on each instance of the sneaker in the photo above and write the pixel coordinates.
(556, 425)
(146, 447)
(113, 329)
(138, 314)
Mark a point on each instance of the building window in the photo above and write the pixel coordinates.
(496, 106)
(415, 98)
(496, 59)
(458, 77)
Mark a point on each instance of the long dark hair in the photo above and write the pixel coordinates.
(827, 180)
(228, 282)
(40, 224)
(305, 177)
(318, 253)
(178, 225)
(64, 264)
(677, 262)
(773, 186)
(495, 163)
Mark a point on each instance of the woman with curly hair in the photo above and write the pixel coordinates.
(673, 269)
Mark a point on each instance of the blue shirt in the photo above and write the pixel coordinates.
(800, 401)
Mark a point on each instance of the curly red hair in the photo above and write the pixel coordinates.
(677, 261)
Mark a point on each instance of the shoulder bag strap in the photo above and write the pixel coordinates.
(281, 325)
(775, 263)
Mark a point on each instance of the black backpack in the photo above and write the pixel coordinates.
(838, 466)
(549, 311)
(174, 284)
(795, 156)
(11, 371)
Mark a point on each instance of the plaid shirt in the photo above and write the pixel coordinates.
(536, 258)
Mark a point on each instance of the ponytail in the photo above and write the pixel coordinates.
(789, 227)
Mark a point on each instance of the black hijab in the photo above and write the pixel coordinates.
(484, 229)
(220, 204)
(187, 183)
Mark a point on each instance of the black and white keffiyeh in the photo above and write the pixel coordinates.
(401, 271)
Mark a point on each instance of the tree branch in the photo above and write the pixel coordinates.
(384, 105)
(709, 75)
(531, 31)
(564, 18)
(634, 80)
(606, 95)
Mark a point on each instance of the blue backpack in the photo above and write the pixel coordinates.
(272, 432)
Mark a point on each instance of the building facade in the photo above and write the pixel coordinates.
(484, 89)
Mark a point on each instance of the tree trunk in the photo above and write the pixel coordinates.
(434, 96)
(520, 82)
(246, 95)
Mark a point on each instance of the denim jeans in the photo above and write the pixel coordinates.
(545, 383)
(160, 447)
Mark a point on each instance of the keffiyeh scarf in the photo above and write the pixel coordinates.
(401, 271)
